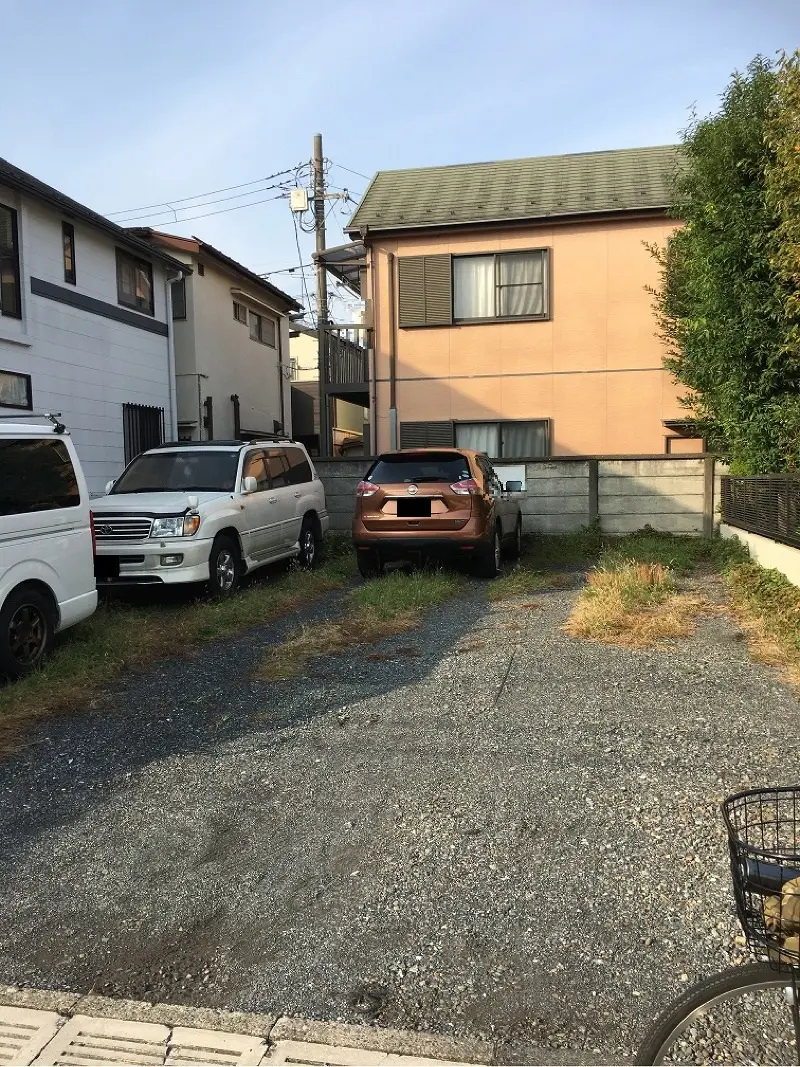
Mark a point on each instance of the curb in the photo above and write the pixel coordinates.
(267, 1026)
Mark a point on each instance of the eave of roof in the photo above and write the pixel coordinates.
(15, 178)
(195, 246)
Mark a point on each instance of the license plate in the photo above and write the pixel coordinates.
(106, 568)
(414, 508)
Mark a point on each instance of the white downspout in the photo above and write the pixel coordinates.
(173, 395)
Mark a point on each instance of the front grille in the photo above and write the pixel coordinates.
(121, 528)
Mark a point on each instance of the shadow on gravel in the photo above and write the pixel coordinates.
(190, 705)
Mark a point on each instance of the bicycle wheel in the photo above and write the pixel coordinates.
(739, 1016)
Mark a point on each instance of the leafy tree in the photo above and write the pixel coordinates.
(722, 303)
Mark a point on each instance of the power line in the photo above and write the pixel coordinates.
(222, 211)
(208, 203)
(351, 171)
(300, 262)
(182, 200)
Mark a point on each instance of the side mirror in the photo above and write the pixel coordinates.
(513, 487)
(249, 484)
(109, 486)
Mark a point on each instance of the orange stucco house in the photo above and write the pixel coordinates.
(508, 307)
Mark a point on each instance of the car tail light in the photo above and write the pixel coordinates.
(94, 535)
(466, 488)
(366, 489)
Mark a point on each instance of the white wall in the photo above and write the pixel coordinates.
(212, 343)
(81, 364)
(768, 553)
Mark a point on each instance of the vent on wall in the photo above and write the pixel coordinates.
(427, 435)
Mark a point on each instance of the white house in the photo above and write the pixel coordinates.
(231, 331)
(84, 324)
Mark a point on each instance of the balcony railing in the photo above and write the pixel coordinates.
(346, 362)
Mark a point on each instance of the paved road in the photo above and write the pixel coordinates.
(512, 835)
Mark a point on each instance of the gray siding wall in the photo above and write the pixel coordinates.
(666, 493)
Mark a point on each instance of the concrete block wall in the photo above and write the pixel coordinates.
(564, 494)
(668, 494)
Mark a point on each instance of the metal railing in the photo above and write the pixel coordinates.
(766, 504)
(345, 361)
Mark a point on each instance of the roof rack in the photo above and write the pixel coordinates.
(52, 417)
(284, 439)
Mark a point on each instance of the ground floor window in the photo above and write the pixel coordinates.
(143, 428)
(505, 439)
(15, 390)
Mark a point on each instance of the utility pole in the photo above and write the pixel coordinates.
(325, 447)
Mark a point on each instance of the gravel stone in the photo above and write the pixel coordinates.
(514, 839)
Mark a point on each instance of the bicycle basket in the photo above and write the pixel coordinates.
(764, 837)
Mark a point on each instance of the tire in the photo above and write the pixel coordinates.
(369, 565)
(27, 632)
(309, 542)
(515, 547)
(224, 567)
(488, 563)
(669, 1027)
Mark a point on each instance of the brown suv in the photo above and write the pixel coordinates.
(435, 502)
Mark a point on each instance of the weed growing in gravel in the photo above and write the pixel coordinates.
(521, 581)
(634, 604)
(123, 636)
(383, 608)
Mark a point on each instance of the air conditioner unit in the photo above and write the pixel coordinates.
(298, 199)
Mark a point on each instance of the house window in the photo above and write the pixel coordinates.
(179, 299)
(142, 428)
(68, 246)
(134, 283)
(504, 286)
(262, 329)
(505, 440)
(15, 390)
(239, 312)
(10, 296)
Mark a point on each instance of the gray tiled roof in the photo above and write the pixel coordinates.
(627, 179)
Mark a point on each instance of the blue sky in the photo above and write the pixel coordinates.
(123, 105)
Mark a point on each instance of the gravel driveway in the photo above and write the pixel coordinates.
(512, 835)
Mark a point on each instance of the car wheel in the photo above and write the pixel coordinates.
(515, 548)
(490, 559)
(309, 543)
(27, 632)
(223, 567)
(369, 565)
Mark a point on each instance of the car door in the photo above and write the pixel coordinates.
(300, 479)
(505, 502)
(281, 497)
(260, 533)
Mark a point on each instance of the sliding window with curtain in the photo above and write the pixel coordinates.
(506, 440)
(509, 285)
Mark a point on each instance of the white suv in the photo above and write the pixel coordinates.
(46, 569)
(209, 511)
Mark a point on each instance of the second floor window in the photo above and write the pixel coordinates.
(239, 312)
(262, 329)
(134, 283)
(10, 296)
(503, 286)
(68, 244)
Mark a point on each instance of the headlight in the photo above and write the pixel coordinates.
(176, 526)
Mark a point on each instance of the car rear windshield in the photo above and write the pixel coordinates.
(36, 475)
(165, 472)
(426, 467)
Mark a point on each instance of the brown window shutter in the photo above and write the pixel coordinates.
(411, 291)
(438, 291)
(427, 435)
(425, 291)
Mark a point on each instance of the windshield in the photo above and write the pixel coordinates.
(426, 467)
(165, 472)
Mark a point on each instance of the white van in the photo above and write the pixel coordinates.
(47, 580)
